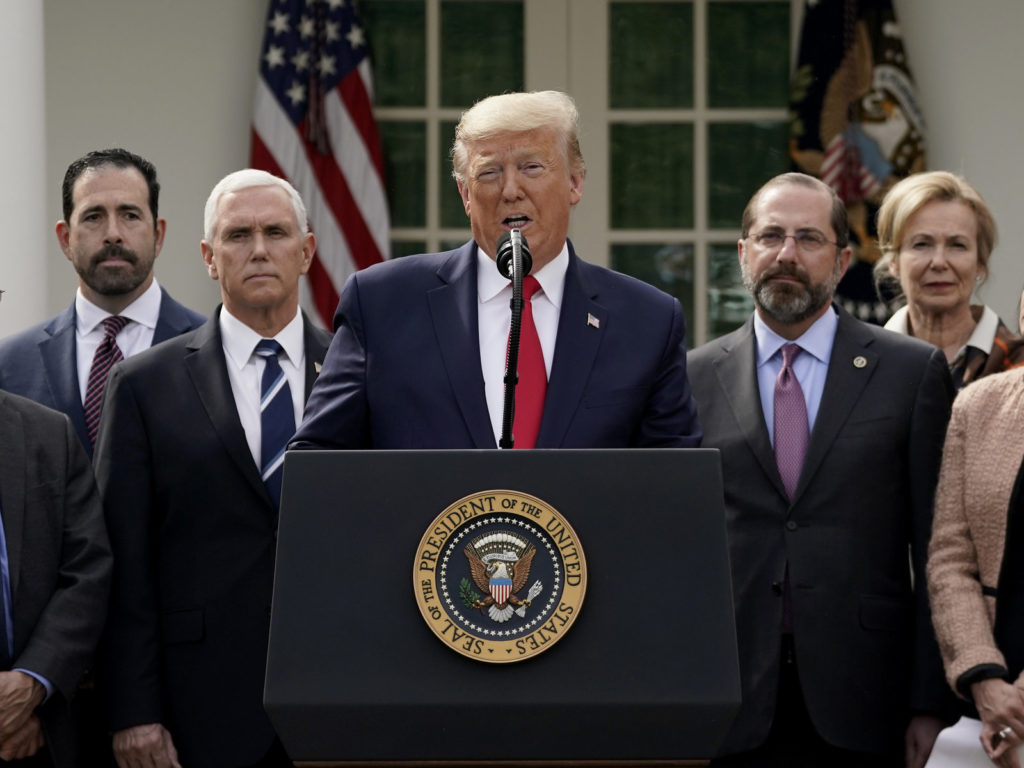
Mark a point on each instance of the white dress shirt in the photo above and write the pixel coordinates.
(135, 337)
(494, 319)
(245, 371)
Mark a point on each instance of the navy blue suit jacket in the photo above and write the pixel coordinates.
(194, 535)
(403, 370)
(41, 363)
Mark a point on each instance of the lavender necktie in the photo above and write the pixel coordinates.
(791, 436)
(791, 430)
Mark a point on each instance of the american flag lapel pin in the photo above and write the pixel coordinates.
(592, 322)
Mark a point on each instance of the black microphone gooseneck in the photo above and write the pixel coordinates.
(514, 262)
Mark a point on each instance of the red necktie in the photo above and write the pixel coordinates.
(533, 378)
(107, 353)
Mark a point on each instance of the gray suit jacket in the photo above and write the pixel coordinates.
(864, 644)
(58, 556)
(193, 531)
(40, 363)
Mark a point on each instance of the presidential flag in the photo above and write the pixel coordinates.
(313, 125)
(855, 122)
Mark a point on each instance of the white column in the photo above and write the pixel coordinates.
(24, 250)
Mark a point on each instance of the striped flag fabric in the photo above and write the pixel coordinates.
(313, 125)
(855, 122)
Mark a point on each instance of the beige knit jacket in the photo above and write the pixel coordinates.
(982, 456)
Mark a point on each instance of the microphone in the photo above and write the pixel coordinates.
(505, 250)
(514, 262)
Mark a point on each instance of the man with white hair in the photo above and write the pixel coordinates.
(419, 354)
(188, 461)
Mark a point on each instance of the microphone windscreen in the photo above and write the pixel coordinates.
(503, 255)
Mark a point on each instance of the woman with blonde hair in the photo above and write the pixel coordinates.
(936, 236)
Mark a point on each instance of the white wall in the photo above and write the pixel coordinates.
(173, 79)
(22, 275)
(169, 79)
(968, 62)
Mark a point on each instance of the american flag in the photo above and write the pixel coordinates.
(313, 125)
(855, 122)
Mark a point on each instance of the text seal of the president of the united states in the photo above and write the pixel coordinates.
(500, 576)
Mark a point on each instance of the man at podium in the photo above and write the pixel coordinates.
(418, 357)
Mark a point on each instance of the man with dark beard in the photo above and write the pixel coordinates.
(111, 234)
(830, 432)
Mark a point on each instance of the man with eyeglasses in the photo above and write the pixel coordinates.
(830, 432)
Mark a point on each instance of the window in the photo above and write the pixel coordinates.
(683, 108)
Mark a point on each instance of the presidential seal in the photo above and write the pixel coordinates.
(499, 576)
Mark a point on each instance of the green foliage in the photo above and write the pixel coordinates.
(470, 597)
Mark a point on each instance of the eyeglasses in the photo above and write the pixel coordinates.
(806, 240)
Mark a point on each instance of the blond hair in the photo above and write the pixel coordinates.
(912, 194)
(519, 112)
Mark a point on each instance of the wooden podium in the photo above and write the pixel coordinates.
(647, 675)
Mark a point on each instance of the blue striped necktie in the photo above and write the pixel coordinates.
(277, 418)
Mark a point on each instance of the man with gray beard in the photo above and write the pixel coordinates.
(830, 432)
(111, 233)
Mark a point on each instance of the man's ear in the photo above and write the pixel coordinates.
(308, 249)
(63, 237)
(575, 188)
(211, 266)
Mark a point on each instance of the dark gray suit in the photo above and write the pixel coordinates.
(40, 363)
(58, 556)
(863, 638)
(193, 531)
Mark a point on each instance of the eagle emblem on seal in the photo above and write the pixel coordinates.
(500, 566)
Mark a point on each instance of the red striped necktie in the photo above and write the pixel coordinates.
(107, 353)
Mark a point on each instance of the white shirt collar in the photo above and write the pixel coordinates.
(145, 310)
(899, 322)
(985, 331)
(982, 336)
(551, 277)
(240, 340)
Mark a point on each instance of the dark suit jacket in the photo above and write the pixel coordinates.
(864, 643)
(404, 369)
(41, 362)
(193, 534)
(58, 556)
